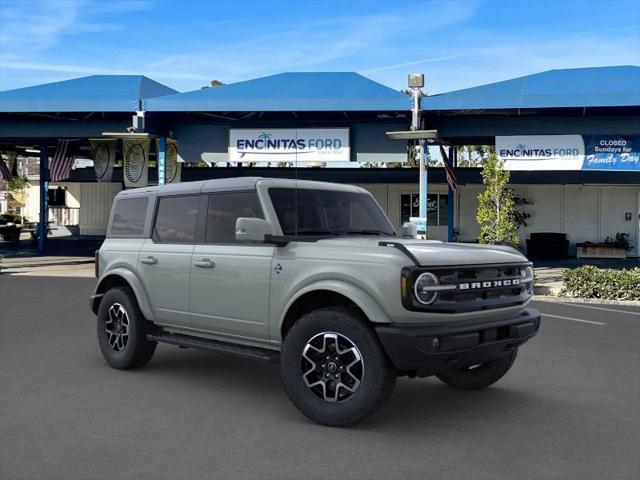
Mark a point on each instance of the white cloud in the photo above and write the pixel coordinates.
(351, 41)
(501, 57)
(31, 27)
(90, 70)
(408, 64)
(438, 38)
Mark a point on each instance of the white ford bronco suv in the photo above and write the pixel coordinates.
(314, 276)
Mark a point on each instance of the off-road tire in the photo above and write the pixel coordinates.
(480, 376)
(137, 351)
(378, 375)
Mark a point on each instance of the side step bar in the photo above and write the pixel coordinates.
(211, 345)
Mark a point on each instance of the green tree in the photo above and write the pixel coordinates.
(474, 155)
(213, 83)
(496, 209)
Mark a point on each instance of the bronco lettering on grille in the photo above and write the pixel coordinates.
(511, 282)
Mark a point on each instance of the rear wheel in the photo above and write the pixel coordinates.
(122, 330)
(334, 368)
(480, 376)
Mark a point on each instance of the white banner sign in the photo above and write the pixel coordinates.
(289, 145)
(172, 162)
(104, 156)
(136, 162)
(173, 165)
(541, 152)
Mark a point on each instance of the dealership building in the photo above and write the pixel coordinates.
(571, 139)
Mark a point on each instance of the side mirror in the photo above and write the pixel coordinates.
(409, 230)
(252, 229)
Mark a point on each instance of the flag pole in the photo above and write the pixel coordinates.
(453, 153)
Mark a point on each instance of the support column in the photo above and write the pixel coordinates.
(44, 199)
(423, 184)
(162, 160)
(453, 158)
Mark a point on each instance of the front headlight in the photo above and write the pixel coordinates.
(425, 288)
(526, 277)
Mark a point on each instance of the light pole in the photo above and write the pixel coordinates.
(416, 83)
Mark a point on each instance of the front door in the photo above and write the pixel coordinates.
(165, 259)
(230, 280)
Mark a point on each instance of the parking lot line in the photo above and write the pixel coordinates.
(573, 319)
(595, 308)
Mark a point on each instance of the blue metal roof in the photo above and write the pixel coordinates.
(298, 92)
(96, 93)
(577, 87)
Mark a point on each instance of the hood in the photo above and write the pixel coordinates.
(436, 253)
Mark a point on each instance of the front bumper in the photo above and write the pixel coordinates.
(425, 350)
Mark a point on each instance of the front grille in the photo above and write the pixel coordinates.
(469, 288)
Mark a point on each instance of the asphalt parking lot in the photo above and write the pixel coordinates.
(568, 409)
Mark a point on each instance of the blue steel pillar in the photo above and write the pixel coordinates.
(162, 160)
(44, 199)
(453, 158)
(424, 159)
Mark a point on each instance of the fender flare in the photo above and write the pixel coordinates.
(363, 300)
(134, 283)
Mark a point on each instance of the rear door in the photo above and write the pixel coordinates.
(230, 280)
(164, 262)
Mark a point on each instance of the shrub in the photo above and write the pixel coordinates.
(593, 282)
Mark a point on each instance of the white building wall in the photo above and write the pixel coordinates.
(95, 205)
(615, 203)
(583, 212)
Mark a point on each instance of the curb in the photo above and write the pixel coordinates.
(546, 290)
(595, 301)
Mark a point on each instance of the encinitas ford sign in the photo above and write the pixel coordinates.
(569, 152)
(289, 145)
(541, 152)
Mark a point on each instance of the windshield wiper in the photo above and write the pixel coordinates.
(368, 232)
(317, 232)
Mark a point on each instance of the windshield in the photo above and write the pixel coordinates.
(328, 212)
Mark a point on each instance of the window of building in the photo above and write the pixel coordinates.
(223, 211)
(128, 216)
(57, 197)
(176, 219)
(437, 208)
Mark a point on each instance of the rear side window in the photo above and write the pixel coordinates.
(176, 219)
(224, 209)
(128, 216)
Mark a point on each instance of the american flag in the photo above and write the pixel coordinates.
(448, 169)
(4, 170)
(62, 160)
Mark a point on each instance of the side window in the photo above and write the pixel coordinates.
(176, 219)
(128, 216)
(224, 209)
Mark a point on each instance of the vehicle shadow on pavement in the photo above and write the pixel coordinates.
(428, 403)
(414, 405)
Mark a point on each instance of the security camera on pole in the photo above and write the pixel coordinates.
(416, 83)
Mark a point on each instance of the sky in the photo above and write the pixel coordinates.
(185, 44)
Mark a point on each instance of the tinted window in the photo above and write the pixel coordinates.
(328, 212)
(224, 209)
(128, 216)
(176, 219)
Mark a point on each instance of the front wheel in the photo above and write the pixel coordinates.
(334, 369)
(480, 376)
